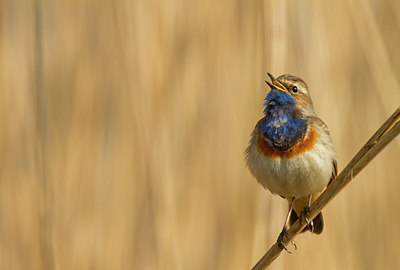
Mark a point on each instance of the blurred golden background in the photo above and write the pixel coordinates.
(124, 125)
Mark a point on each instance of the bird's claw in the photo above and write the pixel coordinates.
(280, 241)
(304, 214)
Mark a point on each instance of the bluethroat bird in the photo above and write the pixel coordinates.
(291, 152)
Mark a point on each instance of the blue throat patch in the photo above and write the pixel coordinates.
(282, 126)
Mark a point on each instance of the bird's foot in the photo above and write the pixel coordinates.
(303, 215)
(280, 241)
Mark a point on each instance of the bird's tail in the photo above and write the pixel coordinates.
(316, 225)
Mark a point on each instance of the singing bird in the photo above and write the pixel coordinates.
(291, 152)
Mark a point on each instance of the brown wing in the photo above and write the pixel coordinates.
(334, 172)
(321, 123)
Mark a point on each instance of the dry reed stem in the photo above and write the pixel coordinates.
(382, 137)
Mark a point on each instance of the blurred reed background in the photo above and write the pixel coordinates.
(123, 127)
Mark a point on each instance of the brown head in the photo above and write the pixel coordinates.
(297, 88)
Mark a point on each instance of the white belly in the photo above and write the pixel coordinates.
(298, 176)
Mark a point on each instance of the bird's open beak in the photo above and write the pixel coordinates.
(276, 84)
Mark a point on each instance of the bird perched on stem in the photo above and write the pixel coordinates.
(291, 152)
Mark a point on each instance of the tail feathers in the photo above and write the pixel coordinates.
(317, 224)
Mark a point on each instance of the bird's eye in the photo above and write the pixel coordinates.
(295, 89)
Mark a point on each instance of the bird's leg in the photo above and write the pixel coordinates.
(284, 231)
(305, 213)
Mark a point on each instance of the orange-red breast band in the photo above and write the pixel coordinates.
(302, 146)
